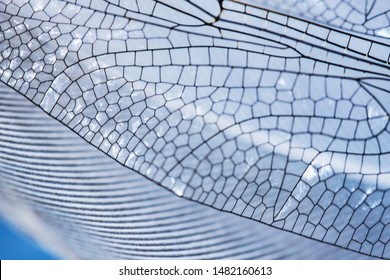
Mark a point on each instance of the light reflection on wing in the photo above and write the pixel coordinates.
(252, 112)
(368, 17)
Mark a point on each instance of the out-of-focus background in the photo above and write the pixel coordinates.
(16, 245)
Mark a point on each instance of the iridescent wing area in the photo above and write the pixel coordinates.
(262, 114)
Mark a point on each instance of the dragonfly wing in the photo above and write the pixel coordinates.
(252, 112)
(82, 204)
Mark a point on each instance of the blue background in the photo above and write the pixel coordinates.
(15, 245)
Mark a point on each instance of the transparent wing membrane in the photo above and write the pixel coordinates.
(282, 118)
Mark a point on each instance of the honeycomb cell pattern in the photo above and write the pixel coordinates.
(87, 206)
(272, 117)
